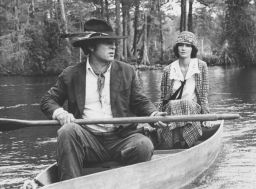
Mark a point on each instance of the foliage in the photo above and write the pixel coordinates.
(207, 20)
(240, 31)
(46, 53)
(30, 43)
(12, 53)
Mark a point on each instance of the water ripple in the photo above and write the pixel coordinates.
(18, 106)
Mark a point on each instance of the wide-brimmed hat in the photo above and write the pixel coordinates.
(187, 37)
(94, 29)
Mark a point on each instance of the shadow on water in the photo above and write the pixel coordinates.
(25, 152)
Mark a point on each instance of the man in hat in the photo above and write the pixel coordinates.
(100, 87)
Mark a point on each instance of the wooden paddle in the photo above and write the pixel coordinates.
(12, 124)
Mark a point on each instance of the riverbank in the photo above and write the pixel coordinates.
(54, 70)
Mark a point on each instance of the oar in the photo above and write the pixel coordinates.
(12, 124)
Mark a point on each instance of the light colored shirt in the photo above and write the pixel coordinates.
(93, 108)
(177, 76)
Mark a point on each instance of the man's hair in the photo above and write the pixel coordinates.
(193, 53)
(90, 44)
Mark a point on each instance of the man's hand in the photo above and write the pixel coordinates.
(64, 117)
(160, 123)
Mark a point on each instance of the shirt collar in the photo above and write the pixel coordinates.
(175, 71)
(88, 65)
(89, 68)
(193, 68)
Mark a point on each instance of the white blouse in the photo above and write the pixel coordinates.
(176, 74)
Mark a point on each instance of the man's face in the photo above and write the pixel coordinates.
(105, 50)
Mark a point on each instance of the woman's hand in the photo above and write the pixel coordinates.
(210, 124)
(160, 123)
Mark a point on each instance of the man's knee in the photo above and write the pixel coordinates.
(68, 130)
(143, 148)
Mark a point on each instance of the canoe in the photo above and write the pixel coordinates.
(168, 169)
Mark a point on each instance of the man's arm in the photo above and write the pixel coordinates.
(54, 98)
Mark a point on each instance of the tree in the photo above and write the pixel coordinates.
(118, 29)
(145, 59)
(135, 26)
(161, 38)
(125, 11)
(183, 17)
(190, 16)
(64, 24)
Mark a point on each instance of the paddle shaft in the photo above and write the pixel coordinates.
(10, 124)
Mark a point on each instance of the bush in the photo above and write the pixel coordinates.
(210, 59)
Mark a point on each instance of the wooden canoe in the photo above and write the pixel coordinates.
(168, 169)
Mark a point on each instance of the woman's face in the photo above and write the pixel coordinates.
(184, 50)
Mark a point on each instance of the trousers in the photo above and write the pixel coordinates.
(77, 147)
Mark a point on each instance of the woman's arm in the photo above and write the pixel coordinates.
(205, 89)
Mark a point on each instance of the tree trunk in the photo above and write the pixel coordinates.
(118, 30)
(102, 9)
(190, 16)
(64, 24)
(81, 29)
(32, 9)
(16, 15)
(145, 59)
(136, 19)
(161, 32)
(125, 15)
(106, 9)
(183, 16)
(129, 53)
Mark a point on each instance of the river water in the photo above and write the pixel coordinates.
(25, 152)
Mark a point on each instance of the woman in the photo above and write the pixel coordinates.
(184, 91)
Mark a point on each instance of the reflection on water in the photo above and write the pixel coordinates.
(26, 151)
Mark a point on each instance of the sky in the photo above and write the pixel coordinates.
(173, 8)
